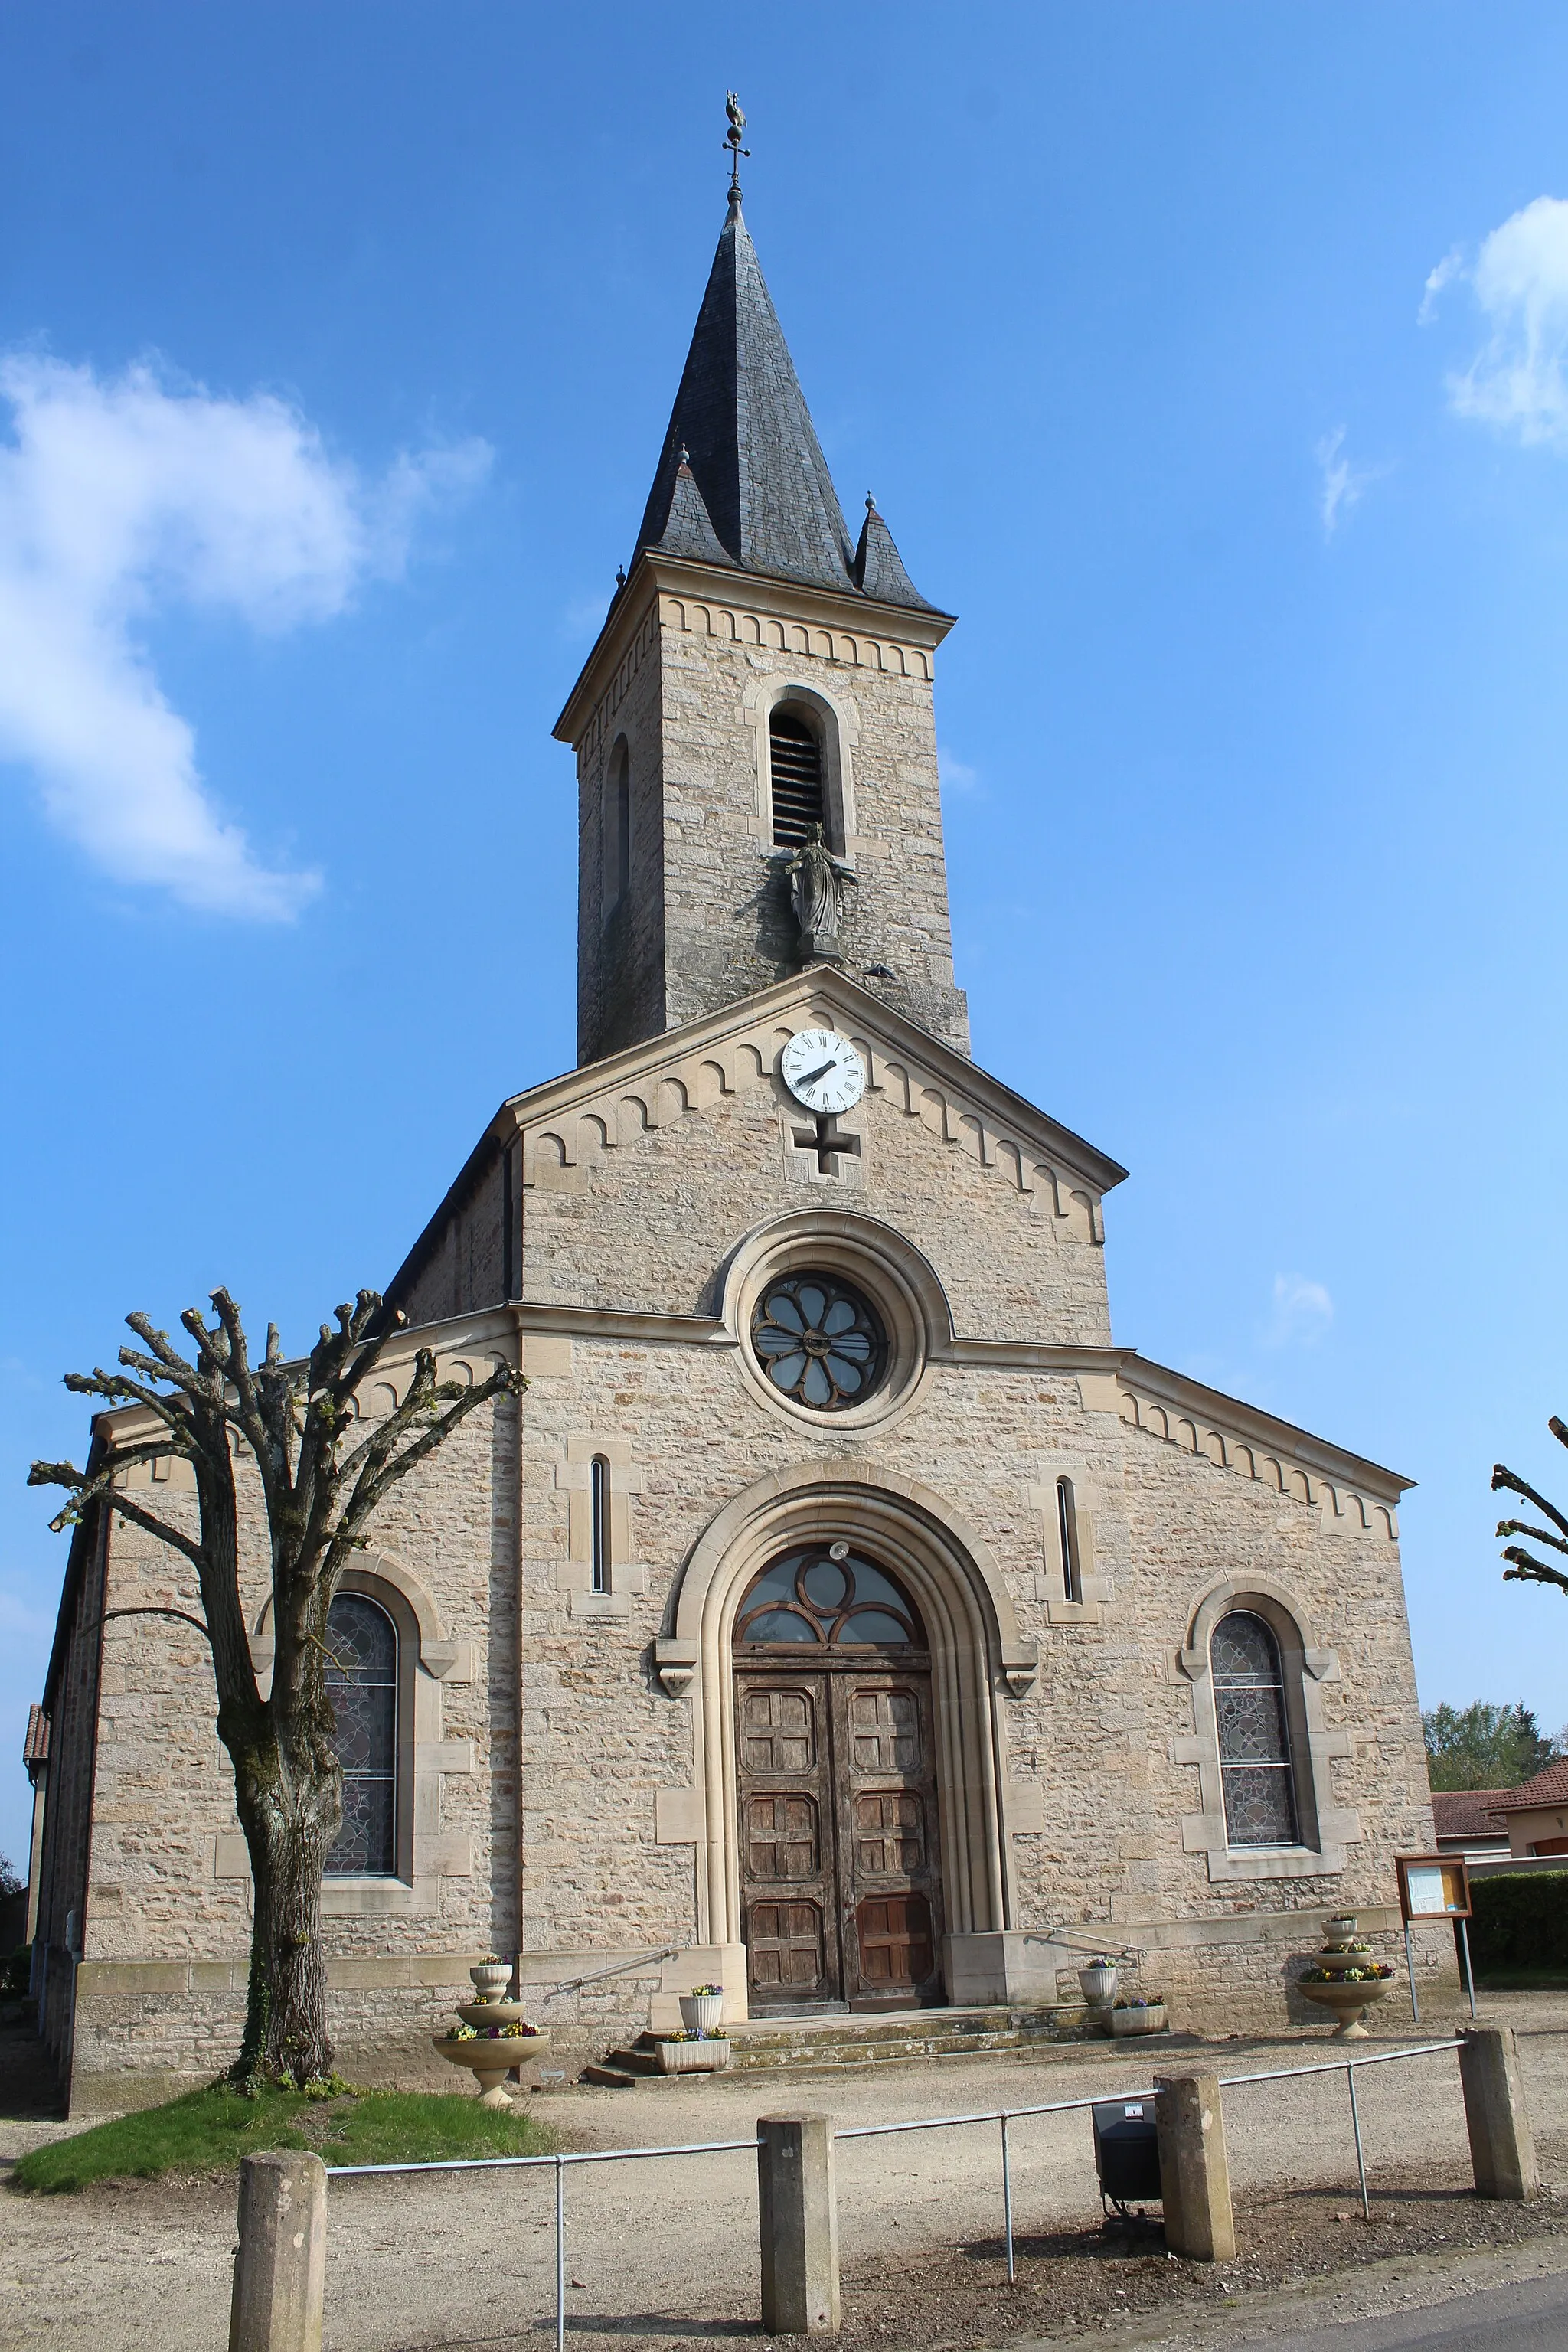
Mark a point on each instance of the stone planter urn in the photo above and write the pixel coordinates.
(491, 1976)
(1098, 1983)
(1140, 2017)
(1346, 1979)
(491, 2056)
(703, 2011)
(709, 2056)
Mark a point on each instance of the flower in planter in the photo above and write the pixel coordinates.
(1143, 2000)
(700, 1992)
(519, 2031)
(462, 2034)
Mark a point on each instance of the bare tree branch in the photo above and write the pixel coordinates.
(183, 1615)
(1527, 1570)
(1504, 1478)
(1536, 1535)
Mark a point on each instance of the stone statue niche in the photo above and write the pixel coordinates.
(816, 881)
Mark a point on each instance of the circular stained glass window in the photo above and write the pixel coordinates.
(819, 1341)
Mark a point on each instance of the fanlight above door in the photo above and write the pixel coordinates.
(828, 1597)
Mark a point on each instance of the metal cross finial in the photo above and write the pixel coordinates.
(732, 140)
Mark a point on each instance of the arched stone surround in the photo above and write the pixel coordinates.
(977, 1656)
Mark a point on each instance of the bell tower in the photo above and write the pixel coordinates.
(759, 694)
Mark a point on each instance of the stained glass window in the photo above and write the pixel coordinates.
(1254, 1740)
(819, 1341)
(829, 1595)
(362, 1683)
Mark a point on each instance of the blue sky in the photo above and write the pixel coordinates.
(1210, 361)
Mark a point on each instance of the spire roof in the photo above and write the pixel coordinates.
(741, 478)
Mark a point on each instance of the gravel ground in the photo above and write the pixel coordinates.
(664, 2250)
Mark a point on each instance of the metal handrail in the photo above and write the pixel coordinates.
(621, 1969)
(1005, 2116)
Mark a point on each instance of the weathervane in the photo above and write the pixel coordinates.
(732, 140)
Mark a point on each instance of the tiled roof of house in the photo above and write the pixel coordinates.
(741, 478)
(1548, 1788)
(1467, 1813)
(35, 1745)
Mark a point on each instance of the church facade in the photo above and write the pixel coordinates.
(840, 1614)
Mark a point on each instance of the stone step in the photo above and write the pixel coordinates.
(868, 2038)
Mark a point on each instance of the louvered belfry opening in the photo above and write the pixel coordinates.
(796, 761)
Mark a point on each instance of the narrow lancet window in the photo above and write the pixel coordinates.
(617, 847)
(600, 1483)
(795, 767)
(1253, 1739)
(1067, 1531)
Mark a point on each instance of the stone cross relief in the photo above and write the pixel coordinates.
(816, 881)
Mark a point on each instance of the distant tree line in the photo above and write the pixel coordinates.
(1484, 1747)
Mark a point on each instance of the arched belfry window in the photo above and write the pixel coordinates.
(795, 767)
(362, 1684)
(1255, 1771)
(825, 1596)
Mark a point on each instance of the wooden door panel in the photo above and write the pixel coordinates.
(782, 1834)
(890, 1888)
(789, 1899)
(893, 1932)
(777, 1729)
(785, 1949)
(886, 1731)
(889, 1834)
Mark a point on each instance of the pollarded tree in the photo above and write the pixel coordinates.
(321, 1485)
(1526, 1569)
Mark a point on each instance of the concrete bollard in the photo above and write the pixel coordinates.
(1502, 2146)
(280, 2263)
(1194, 2171)
(797, 2213)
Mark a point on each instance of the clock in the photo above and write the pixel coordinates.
(823, 1070)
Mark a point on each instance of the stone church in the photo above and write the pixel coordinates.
(840, 1614)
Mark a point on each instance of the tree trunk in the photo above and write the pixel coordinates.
(290, 1816)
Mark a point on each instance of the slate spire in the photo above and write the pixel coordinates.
(742, 463)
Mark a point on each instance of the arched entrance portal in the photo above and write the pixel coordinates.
(840, 1878)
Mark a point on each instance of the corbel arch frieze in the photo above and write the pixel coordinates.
(976, 1651)
(1193, 1433)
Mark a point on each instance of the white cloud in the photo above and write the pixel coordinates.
(1452, 266)
(1302, 1312)
(956, 773)
(1343, 483)
(1517, 380)
(121, 498)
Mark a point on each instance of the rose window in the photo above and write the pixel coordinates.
(819, 1341)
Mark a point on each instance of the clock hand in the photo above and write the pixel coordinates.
(812, 1077)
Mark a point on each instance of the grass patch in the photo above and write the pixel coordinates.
(209, 2132)
(1521, 1980)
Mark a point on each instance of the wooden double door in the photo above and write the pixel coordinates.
(840, 1872)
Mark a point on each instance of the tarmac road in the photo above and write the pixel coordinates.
(1528, 2315)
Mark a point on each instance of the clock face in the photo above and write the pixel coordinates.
(823, 1070)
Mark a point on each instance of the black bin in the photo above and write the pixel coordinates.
(1126, 2151)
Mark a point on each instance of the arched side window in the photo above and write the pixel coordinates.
(1256, 1775)
(616, 853)
(795, 767)
(1067, 1536)
(599, 1478)
(362, 1684)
